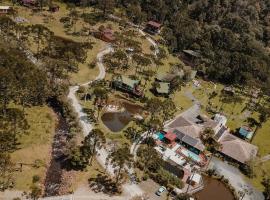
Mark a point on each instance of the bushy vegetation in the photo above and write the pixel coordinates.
(34, 70)
(165, 178)
(232, 36)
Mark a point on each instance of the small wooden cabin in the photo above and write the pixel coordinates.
(152, 27)
(5, 9)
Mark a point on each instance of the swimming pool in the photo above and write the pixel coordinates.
(160, 135)
(192, 155)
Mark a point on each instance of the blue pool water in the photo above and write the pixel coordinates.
(160, 135)
(192, 155)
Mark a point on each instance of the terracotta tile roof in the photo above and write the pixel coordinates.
(154, 24)
(170, 136)
(237, 148)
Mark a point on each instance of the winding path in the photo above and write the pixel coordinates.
(102, 154)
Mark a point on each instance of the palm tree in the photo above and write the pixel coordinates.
(120, 158)
(208, 139)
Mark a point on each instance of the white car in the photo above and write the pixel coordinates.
(160, 190)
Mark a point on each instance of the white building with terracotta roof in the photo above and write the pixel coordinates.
(236, 148)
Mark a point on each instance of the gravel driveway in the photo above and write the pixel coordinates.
(236, 179)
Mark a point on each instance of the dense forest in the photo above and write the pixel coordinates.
(32, 75)
(233, 36)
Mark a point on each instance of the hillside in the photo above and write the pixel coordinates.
(233, 36)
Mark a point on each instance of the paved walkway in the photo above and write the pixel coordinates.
(236, 179)
(265, 158)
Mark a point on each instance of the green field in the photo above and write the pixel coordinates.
(34, 146)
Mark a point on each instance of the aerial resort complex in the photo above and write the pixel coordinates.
(135, 100)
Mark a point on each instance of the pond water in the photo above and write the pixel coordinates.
(116, 121)
(214, 190)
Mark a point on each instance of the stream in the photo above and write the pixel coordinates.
(54, 172)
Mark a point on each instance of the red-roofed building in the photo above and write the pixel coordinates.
(152, 27)
(170, 136)
(107, 35)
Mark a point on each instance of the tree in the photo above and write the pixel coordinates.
(169, 109)
(132, 134)
(6, 170)
(35, 192)
(153, 105)
(106, 6)
(182, 197)
(95, 139)
(101, 97)
(120, 158)
(74, 15)
(149, 158)
(208, 139)
(76, 159)
(141, 61)
(41, 33)
(266, 184)
(7, 26)
(122, 58)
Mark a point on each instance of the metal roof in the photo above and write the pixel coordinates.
(130, 82)
(192, 53)
(4, 7)
(179, 134)
(189, 140)
(220, 133)
(154, 24)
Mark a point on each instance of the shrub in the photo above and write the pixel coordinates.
(165, 178)
(92, 64)
(35, 178)
(145, 177)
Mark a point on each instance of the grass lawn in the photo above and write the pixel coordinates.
(261, 170)
(262, 139)
(36, 145)
(81, 177)
(181, 101)
(85, 73)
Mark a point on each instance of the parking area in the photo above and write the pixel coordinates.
(150, 188)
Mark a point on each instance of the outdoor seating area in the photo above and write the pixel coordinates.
(178, 152)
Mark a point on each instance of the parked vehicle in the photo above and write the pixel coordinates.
(160, 190)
